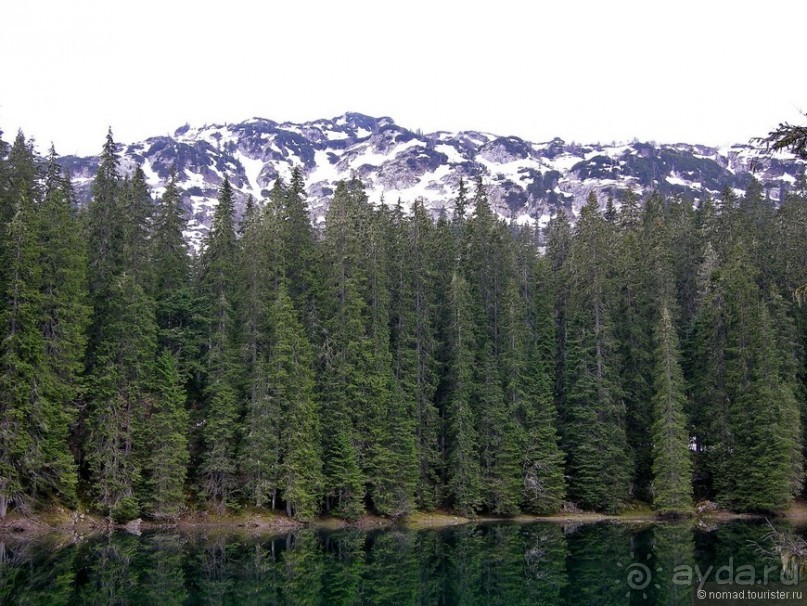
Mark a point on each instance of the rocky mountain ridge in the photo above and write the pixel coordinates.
(526, 182)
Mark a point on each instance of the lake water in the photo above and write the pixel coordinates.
(506, 564)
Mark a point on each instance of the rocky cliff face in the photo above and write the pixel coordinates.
(527, 182)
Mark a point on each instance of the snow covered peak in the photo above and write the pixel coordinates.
(527, 182)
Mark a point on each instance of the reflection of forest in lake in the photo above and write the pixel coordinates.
(487, 564)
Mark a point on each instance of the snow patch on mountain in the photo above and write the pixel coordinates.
(527, 182)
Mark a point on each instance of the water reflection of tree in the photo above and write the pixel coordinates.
(464, 557)
(37, 572)
(344, 566)
(111, 579)
(161, 576)
(217, 579)
(391, 570)
(597, 564)
(545, 563)
(303, 567)
(673, 548)
(468, 565)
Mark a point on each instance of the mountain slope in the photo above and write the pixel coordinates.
(527, 182)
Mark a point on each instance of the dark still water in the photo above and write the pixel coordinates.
(488, 564)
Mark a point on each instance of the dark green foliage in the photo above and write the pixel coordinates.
(672, 464)
(341, 385)
(543, 461)
(412, 311)
(787, 136)
(119, 392)
(634, 293)
(41, 347)
(593, 410)
(23, 403)
(165, 428)
(396, 362)
(65, 314)
(299, 242)
(220, 433)
(499, 450)
(747, 407)
(464, 483)
(137, 208)
(291, 381)
(488, 265)
(104, 240)
(171, 278)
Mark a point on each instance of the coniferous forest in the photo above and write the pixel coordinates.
(392, 361)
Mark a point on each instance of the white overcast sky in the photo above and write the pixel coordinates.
(705, 71)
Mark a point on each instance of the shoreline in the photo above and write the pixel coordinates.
(62, 521)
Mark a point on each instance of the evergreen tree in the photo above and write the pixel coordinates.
(65, 313)
(442, 249)
(500, 439)
(558, 243)
(104, 241)
(298, 236)
(165, 442)
(39, 320)
(5, 185)
(291, 381)
(260, 452)
(171, 271)
(746, 407)
(23, 409)
(594, 431)
(672, 464)
(464, 482)
(412, 340)
(543, 460)
(763, 406)
(119, 394)
(136, 208)
(489, 267)
(461, 202)
(635, 249)
(341, 372)
(221, 412)
(388, 425)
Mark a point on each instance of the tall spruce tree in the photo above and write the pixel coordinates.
(633, 333)
(298, 236)
(137, 209)
(291, 380)
(412, 340)
(23, 408)
(171, 282)
(104, 241)
(464, 476)
(762, 405)
(341, 370)
(746, 405)
(259, 459)
(542, 461)
(558, 241)
(165, 441)
(593, 411)
(221, 411)
(489, 267)
(388, 426)
(672, 462)
(119, 392)
(65, 310)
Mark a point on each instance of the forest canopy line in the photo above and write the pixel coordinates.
(654, 351)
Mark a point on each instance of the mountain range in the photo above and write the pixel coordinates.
(527, 182)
